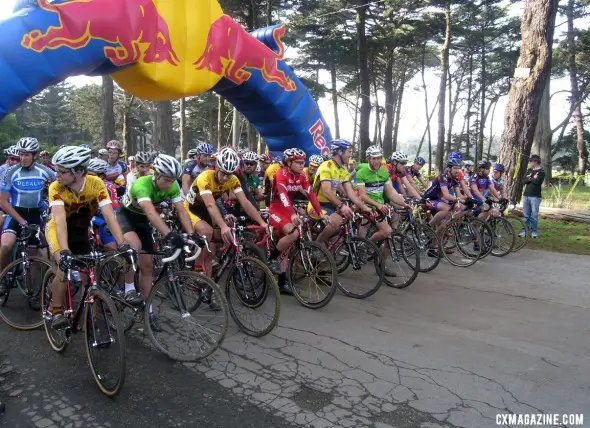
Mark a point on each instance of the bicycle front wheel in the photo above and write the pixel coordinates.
(521, 231)
(58, 339)
(20, 307)
(402, 261)
(365, 272)
(186, 318)
(504, 236)
(105, 343)
(312, 274)
(460, 244)
(111, 278)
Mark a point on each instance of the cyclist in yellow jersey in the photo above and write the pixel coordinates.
(74, 198)
(331, 176)
(209, 186)
(314, 162)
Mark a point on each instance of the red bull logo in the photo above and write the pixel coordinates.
(140, 35)
(317, 131)
(231, 51)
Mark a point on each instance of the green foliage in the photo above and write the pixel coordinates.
(9, 131)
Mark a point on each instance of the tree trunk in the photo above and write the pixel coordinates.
(398, 107)
(495, 103)
(365, 112)
(524, 98)
(575, 93)
(450, 112)
(269, 13)
(543, 135)
(108, 111)
(129, 139)
(377, 112)
(183, 136)
(212, 121)
(482, 105)
(389, 119)
(162, 138)
(444, 64)
(335, 100)
(252, 137)
(427, 129)
(356, 115)
(221, 133)
(469, 105)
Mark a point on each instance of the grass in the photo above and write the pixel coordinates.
(562, 237)
(564, 197)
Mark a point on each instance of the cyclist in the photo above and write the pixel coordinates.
(480, 185)
(116, 168)
(193, 168)
(12, 158)
(143, 162)
(457, 156)
(74, 197)
(399, 176)
(138, 214)
(97, 167)
(332, 175)
(288, 183)
(373, 182)
(269, 176)
(265, 161)
(467, 170)
(23, 191)
(314, 163)
(413, 172)
(250, 160)
(131, 165)
(44, 155)
(103, 154)
(497, 179)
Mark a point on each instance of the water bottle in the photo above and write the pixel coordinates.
(75, 281)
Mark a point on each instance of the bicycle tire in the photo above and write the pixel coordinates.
(341, 255)
(251, 299)
(31, 317)
(250, 249)
(398, 240)
(115, 342)
(501, 226)
(58, 339)
(449, 242)
(205, 290)
(487, 237)
(372, 253)
(424, 237)
(328, 279)
(520, 241)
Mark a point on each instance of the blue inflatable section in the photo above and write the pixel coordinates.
(283, 118)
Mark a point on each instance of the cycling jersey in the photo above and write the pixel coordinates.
(144, 189)
(373, 181)
(444, 180)
(482, 183)
(194, 168)
(498, 185)
(332, 172)
(112, 193)
(206, 184)
(27, 185)
(395, 176)
(253, 180)
(412, 173)
(81, 207)
(114, 169)
(310, 176)
(271, 171)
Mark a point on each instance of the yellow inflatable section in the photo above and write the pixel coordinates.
(183, 27)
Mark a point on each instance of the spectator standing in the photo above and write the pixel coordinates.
(533, 180)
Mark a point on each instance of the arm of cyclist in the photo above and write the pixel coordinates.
(8, 209)
(185, 220)
(368, 201)
(410, 188)
(494, 192)
(249, 208)
(58, 212)
(475, 191)
(393, 196)
(447, 195)
(350, 193)
(466, 190)
(186, 183)
(226, 232)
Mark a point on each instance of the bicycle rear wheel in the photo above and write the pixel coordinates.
(427, 244)
(58, 339)
(504, 236)
(20, 307)
(105, 343)
(192, 313)
(365, 271)
(312, 274)
(487, 240)
(402, 261)
(253, 297)
(521, 233)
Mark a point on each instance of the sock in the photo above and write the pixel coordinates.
(274, 254)
(282, 279)
(129, 287)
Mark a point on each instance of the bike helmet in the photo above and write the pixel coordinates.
(499, 167)
(456, 155)
(264, 158)
(468, 163)
(340, 144)
(484, 164)
(250, 156)
(374, 152)
(326, 157)
(84, 146)
(143, 158)
(27, 145)
(453, 162)
(293, 154)
(12, 151)
(204, 149)
(227, 160)
(71, 157)
(114, 144)
(42, 153)
(103, 152)
(167, 166)
(399, 157)
(131, 158)
(420, 161)
(316, 160)
(192, 152)
(97, 166)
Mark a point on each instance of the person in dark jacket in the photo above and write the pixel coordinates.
(533, 181)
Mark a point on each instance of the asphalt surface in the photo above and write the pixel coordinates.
(456, 348)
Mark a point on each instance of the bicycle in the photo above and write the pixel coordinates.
(504, 233)
(189, 306)
(96, 316)
(20, 305)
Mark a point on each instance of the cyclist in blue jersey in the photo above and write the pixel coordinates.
(192, 169)
(24, 185)
(12, 158)
(413, 172)
(443, 192)
(480, 184)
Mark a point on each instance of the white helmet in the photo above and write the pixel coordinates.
(27, 145)
(250, 156)
(167, 166)
(468, 163)
(192, 152)
(399, 157)
(71, 157)
(97, 166)
(374, 152)
(227, 160)
(103, 152)
(316, 160)
(12, 151)
(143, 157)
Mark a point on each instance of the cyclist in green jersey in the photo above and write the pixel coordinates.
(373, 182)
(250, 160)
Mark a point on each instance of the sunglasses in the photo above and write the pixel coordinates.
(62, 172)
(250, 163)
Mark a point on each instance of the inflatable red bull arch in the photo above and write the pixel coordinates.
(160, 50)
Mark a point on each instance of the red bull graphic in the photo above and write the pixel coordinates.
(230, 51)
(80, 21)
(317, 131)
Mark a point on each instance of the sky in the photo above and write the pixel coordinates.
(413, 116)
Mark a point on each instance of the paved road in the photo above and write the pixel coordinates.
(454, 349)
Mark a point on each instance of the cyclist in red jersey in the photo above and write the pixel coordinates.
(288, 182)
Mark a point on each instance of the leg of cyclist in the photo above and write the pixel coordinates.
(205, 259)
(330, 229)
(145, 262)
(6, 245)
